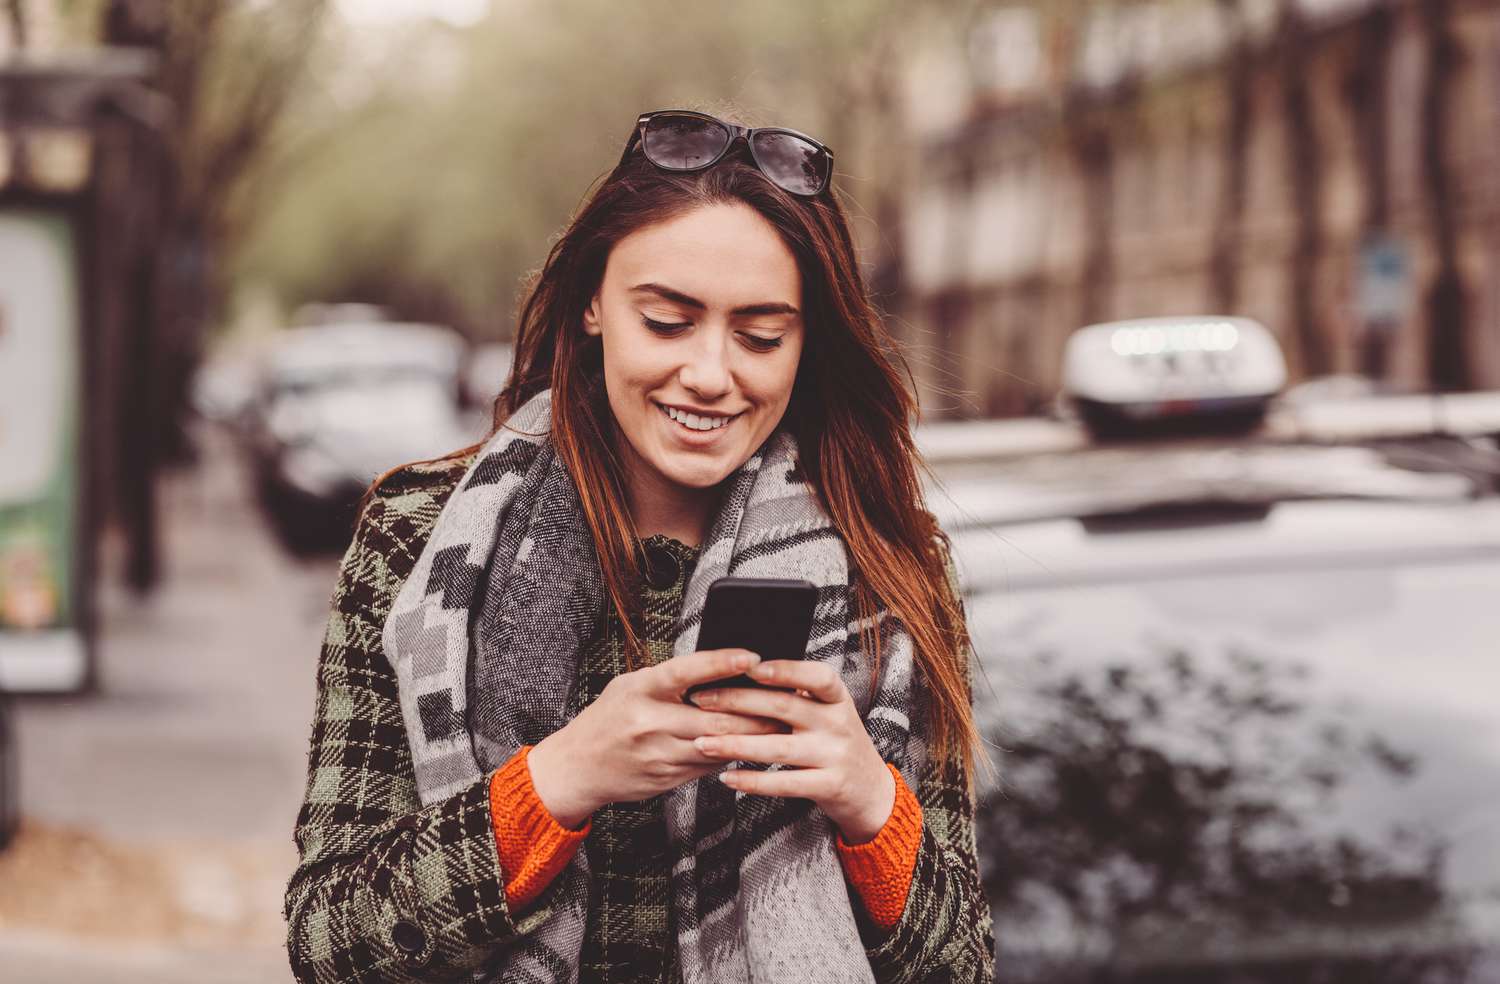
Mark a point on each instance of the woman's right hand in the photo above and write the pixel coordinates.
(636, 739)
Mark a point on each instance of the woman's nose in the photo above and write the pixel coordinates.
(707, 370)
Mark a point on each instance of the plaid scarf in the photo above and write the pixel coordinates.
(484, 638)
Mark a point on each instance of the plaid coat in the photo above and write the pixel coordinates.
(386, 890)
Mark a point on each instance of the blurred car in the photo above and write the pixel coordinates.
(339, 313)
(1158, 374)
(485, 373)
(1242, 688)
(337, 405)
(488, 367)
(223, 390)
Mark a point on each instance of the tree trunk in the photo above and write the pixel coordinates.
(1095, 156)
(137, 214)
(1447, 368)
(1369, 106)
(1224, 264)
(1305, 170)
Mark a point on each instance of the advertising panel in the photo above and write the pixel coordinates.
(42, 645)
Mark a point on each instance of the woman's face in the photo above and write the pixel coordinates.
(702, 330)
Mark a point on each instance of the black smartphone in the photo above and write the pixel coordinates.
(771, 617)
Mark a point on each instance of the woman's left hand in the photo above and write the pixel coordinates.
(836, 764)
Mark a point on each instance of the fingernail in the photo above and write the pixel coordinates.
(704, 744)
(745, 660)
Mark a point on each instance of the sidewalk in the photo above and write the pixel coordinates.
(157, 814)
(44, 958)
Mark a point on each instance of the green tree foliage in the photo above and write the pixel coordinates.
(433, 174)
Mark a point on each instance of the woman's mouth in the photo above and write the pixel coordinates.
(697, 423)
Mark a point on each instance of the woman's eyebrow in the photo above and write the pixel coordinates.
(678, 297)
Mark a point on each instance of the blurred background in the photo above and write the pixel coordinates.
(1201, 299)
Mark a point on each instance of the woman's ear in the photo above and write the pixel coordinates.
(591, 321)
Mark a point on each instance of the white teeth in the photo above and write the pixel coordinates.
(693, 421)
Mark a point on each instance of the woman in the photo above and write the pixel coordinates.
(505, 782)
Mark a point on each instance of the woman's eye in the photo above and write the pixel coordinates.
(665, 327)
(760, 344)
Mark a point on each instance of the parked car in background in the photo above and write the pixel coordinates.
(1240, 684)
(339, 313)
(485, 373)
(338, 404)
(1161, 374)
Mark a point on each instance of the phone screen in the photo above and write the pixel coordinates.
(771, 617)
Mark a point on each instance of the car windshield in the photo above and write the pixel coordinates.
(321, 379)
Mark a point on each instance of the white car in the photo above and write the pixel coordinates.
(339, 404)
(1242, 692)
(1157, 373)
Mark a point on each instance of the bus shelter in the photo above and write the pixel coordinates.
(79, 191)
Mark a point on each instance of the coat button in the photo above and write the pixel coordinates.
(662, 568)
(408, 937)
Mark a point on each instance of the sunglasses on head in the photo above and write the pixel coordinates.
(682, 140)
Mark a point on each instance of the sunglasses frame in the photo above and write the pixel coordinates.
(736, 132)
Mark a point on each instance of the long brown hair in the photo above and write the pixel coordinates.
(849, 411)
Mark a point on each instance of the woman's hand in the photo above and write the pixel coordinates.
(838, 767)
(636, 739)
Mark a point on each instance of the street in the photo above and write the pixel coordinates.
(157, 813)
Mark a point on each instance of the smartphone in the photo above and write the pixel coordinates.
(768, 616)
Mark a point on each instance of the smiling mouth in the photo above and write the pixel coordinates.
(697, 422)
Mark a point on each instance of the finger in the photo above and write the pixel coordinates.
(682, 753)
(818, 679)
(688, 723)
(793, 750)
(671, 678)
(799, 712)
(800, 783)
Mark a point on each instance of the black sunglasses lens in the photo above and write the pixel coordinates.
(792, 162)
(683, 143)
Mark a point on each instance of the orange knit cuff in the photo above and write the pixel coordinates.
(881, 868)
(533, 846)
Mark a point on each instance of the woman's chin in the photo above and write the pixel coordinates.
(700, 474)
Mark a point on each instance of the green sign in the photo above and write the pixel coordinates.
(41, 643)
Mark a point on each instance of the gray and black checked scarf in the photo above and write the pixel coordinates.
(485, 637)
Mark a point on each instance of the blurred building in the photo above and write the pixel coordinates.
(1330, 167)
